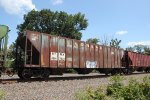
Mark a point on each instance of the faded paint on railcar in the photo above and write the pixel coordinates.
(92, 52)
(146, 61)
(109, 57)
(61, 52)
(121, 57)
(116, 58)
(112, 57)
(90, 62)
(101, 57)
(87, 52)
(45, 51)
(75, 54)
(82, 54)
(134, 59)
(138, 60)
(53, 51)
(96, 56)
(142, 60)
(69, 53)
(105, 56)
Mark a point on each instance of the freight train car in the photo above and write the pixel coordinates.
(137, 62)
(45, 54)
(41, 55)
(3, 46)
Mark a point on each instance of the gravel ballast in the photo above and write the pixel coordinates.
(55, 89)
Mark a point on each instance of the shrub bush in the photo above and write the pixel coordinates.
(116, 90)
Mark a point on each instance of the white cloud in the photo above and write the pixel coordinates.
(139, 43)
(17, 7)
(56, 2)
(121, 32)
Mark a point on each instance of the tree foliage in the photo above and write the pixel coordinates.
(143, 49)
(93, 40)
(130, 49)
(55, 23)
(115, 43)
(147, 50)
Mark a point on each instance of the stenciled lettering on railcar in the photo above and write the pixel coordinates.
(54, 56)
(75, 45)
(62, 56)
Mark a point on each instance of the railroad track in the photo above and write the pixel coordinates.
(59, 78)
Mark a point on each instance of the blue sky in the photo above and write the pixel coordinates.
(127, 20)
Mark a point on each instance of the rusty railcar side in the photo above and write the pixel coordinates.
(69, 53)
(101, 57)
(96, 54)
(75, 54)
(44, 51)
(59, 52)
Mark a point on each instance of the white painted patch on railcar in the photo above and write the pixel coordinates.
(54, 56)
(62, 56)
(91, 64)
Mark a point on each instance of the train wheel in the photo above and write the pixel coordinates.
(26, 73)
(45, 73)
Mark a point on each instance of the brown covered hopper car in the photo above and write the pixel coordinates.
(46, 54)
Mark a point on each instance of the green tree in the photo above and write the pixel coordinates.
(139, 48)
(115, 43)
(10, 56)
(93, 40)
(55, 23)
(147, 50)
(130, 49)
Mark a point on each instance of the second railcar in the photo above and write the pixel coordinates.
(138, 62)
(45, 54)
